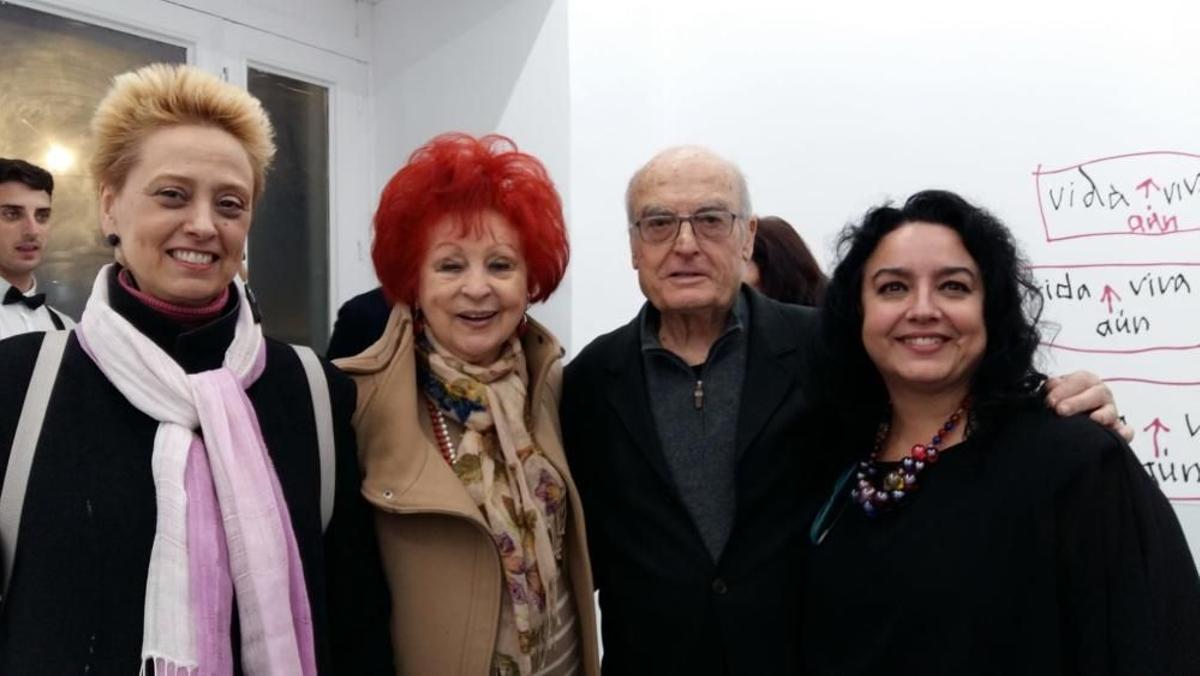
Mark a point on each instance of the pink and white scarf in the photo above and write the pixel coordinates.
(222, 523)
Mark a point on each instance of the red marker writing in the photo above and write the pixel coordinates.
(1158, 426)
(1108, 295)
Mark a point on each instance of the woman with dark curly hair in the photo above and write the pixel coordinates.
(978, 532)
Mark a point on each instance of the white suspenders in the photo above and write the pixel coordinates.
(33, 412)
(20, 457)
(323, 416)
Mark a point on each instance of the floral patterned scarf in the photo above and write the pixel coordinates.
(520, 494)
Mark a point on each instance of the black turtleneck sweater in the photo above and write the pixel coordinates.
(76, 598)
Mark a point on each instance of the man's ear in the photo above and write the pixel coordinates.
(748, 245)
(633, 248)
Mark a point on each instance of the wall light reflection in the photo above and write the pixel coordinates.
(58, 159)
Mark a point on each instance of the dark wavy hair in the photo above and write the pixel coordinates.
(1012, 306)
(787, 270)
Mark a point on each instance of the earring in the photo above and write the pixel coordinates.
(113, 239)
(418, 320)
(255, 312)
(523, 327)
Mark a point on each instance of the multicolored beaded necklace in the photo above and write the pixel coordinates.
(876, 494)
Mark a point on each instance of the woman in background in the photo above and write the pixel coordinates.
(978, 532)
(479, 523)
(782, 267)
(171, 517)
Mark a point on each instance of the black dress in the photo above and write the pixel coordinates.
(1038, 546)
(76, 598)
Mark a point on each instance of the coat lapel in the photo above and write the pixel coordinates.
(769, 377)
(625, 391)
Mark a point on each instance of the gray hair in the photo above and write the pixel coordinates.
(744, 210)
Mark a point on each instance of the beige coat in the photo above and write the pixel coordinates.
(442, 565)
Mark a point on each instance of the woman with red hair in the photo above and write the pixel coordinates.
(479, 523)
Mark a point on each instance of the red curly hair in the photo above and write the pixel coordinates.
(457, 173)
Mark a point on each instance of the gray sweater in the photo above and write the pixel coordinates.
(695, 412)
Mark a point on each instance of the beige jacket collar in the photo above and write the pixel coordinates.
(422, 482)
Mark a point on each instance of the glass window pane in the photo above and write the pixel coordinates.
(288, 257)
(55, 72)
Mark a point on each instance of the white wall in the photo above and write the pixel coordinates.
(337, 27)
(475, 66)
(340, 27)
(831, 107)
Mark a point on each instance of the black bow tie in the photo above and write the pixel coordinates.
(32, 302)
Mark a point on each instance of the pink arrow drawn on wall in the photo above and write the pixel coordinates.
(1108, 295)
(1158, 426)
(1145, 185)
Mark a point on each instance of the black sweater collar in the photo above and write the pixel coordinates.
(195, 348)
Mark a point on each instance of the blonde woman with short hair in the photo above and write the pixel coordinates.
(190, 503)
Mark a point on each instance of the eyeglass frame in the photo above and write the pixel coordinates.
(680, 219)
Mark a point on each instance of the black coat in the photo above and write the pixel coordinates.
(1037, 546)
(359, 324)
(666, 606)
(75, 603)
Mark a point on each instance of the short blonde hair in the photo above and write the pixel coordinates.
(165, 95)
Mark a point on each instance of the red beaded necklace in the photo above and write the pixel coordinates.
(441, 433)
(877, 494)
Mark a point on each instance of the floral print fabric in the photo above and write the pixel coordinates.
(519, 493)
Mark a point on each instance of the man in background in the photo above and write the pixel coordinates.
(25, 191)
(360, 322)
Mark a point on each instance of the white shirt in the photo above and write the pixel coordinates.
(17, 318)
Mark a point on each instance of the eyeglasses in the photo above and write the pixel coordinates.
(710, 224)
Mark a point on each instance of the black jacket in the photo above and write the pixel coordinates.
(359, 324)
(76, 599)
(666, 606)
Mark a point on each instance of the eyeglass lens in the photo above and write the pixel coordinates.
(705, 224)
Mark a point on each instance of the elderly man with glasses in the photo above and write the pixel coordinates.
(694, 434)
